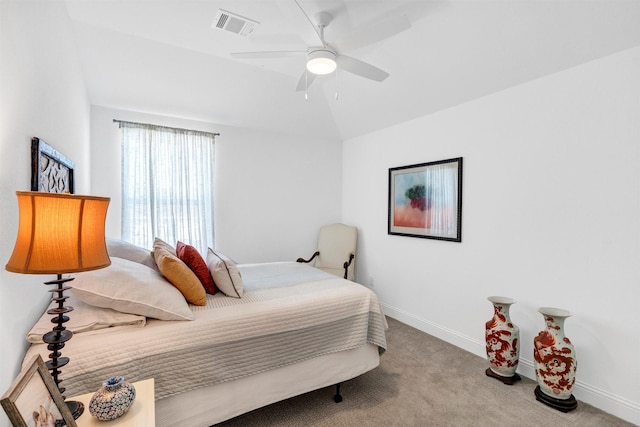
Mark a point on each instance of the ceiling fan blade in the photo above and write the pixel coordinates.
(305, 81)
(315, 27)
(360, 68)
(268, 54)
(290, 12)
(373, 33)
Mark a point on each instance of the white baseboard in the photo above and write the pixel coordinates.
(615, 405)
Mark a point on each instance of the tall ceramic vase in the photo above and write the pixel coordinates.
(502, 338)
(555, 362)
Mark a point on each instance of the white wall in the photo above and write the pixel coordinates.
(551, 201)
(42, 94)
(273, 191)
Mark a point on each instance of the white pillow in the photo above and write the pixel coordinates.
(225, 273)
(123, 249)
(131, 287)
(84, 318)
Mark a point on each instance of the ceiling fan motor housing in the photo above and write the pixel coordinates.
(321, 61)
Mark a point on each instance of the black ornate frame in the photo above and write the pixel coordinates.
(51, 171)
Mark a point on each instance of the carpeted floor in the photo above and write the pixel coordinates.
(423, 381)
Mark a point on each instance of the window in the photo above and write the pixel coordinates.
(167, 185)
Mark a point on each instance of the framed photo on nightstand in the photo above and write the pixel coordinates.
(33, 400)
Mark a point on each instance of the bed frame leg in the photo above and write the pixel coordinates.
(338, 397)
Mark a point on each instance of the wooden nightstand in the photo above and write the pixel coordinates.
(141, 414)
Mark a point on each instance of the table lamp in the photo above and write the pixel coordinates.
(59, 234)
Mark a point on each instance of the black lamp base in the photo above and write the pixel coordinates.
(56, 340)
(76, 408)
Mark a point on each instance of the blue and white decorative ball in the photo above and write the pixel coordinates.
(112, 400)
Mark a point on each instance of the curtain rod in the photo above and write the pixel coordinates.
(166, 127)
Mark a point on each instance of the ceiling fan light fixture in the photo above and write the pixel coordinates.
(321, 61)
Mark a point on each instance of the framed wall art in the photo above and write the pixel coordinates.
(34, 399)
(51, 171)
(425, 200)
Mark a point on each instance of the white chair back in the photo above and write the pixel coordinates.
(336, 242)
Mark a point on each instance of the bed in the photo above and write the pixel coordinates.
(289, 329)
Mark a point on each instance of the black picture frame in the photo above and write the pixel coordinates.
(425, 200)
(51, 171)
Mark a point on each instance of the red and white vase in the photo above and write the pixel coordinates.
(555, 361)
(502, 338)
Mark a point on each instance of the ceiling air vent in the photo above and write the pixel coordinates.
(234, 23)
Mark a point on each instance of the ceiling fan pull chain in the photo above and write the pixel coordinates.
(337, 84)
(306, 86)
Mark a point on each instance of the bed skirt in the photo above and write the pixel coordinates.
(210, 405)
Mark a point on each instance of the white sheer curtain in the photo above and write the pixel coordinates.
(443, 182)
(167, 185)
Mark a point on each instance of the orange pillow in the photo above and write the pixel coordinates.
(178, 273)
(190, 256)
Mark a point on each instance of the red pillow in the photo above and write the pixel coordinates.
(190, 256)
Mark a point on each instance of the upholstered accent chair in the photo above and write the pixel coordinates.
(336, 250)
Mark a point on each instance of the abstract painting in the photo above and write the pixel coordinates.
(425, 200)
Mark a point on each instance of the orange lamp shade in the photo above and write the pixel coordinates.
(59, 233)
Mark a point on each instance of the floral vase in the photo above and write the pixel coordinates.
(502, 338)
(112, 400)
(555, 362)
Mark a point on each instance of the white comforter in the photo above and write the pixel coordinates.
(310, 315)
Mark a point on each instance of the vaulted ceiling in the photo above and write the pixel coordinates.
(166, 57)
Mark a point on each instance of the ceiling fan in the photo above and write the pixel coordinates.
(325, 58)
